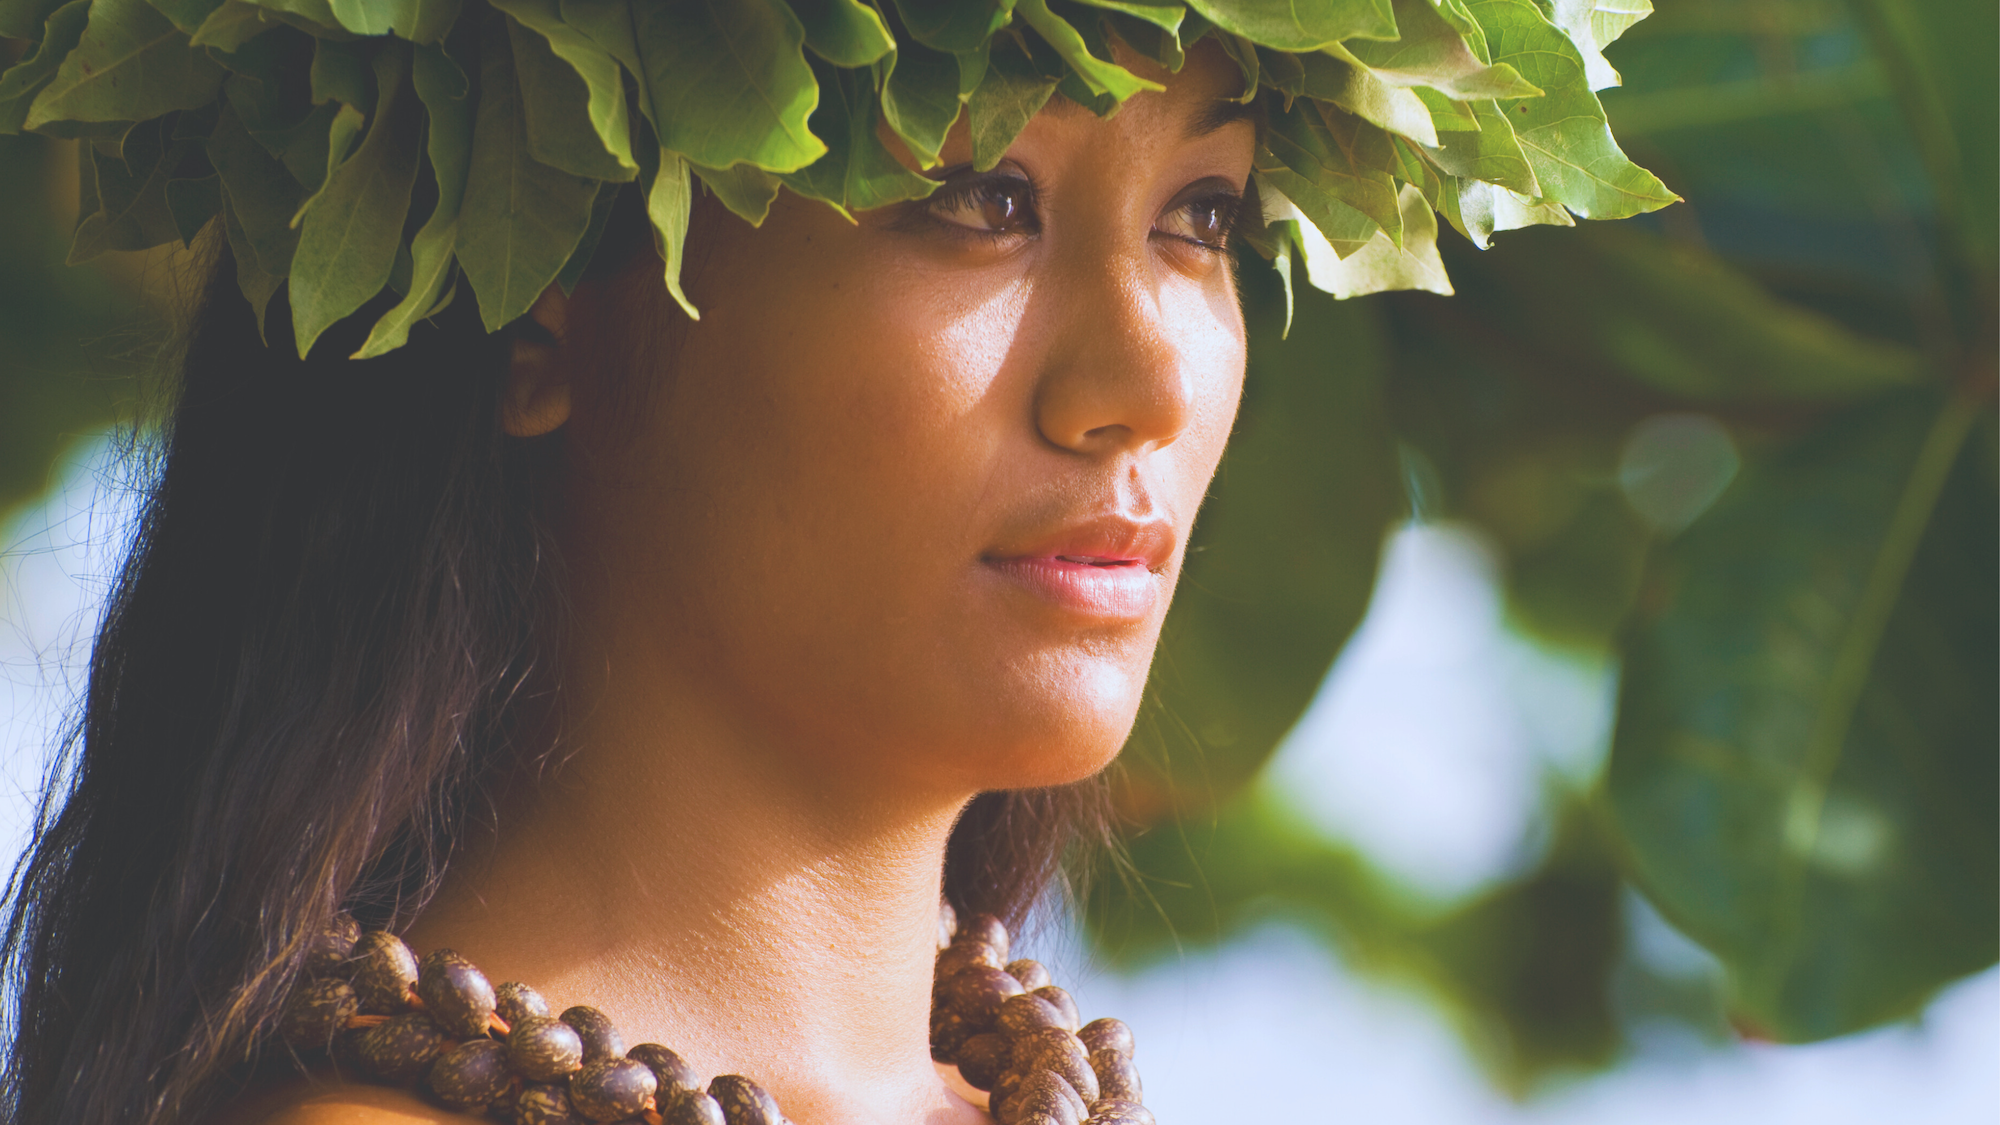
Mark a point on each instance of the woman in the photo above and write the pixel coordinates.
(678, 667)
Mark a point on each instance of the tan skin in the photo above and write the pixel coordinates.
(816, 593)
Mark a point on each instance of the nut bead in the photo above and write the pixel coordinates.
(1026, 1013)
(1042, 1092)
(1113, 1111)
(516, 1001)
(983, 1059)
(1052, 1048)
(1107, 1034)
(1031, 974)
(976, 994)
(545, 1105)
(949, 1031)
(744, 1102)
(544, 1049)
(1056, 995)
(317, 1012)
(693, 1107)
(401, 1049)
(611, 1089)
(962, 955)
(673, 1071)
(384, 973)
(456, 994)
(947, 925)
(600, 1036)
(1117, 1078)
(329, 949)
(986, 928)
(471, 1075)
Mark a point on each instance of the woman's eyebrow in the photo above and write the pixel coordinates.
(1217, 114)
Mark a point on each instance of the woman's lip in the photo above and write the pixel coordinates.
(1113, 589)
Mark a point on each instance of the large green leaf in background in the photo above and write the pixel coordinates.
(1805, 762)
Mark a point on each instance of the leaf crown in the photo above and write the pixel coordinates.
(348, 146)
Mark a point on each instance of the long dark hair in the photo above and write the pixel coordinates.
(338, 608)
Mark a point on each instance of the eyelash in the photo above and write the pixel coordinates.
(1226, 206)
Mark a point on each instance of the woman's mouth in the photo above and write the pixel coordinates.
(1110, 589)
(1107, 569)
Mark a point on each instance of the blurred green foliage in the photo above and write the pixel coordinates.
(68, 337)
(1746, 446)
(1803, 774)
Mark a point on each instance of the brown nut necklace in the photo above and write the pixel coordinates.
(440, 1025)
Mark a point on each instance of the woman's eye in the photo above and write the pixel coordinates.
(1204, 222)
(989, 205)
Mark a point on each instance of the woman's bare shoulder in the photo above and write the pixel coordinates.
(326, 1100)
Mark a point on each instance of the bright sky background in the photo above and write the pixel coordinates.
(1271, 1027)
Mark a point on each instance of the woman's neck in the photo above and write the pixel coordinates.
(710, 890)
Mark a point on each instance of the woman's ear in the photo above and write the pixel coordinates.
(537, 398)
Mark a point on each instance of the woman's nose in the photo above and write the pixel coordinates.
(1114, 380)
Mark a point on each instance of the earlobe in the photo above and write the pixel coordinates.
(537, 398)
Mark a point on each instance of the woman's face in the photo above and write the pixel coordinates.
(911, 498)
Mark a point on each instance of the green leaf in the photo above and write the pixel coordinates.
(728, 82)
(21, 82)
(1683, 321)
(857, 173)
(351, 229)
(522, 218)
(844, 32)
(187, 14)
(131, 64)
(1103, 78)
(1803, 768)
(1156, 43)
(192, 203)
(131, 194)
(1340, 78)
(954, 25)
(746, 190)
(669, 202)
(25, 19)
(1480, 210)
(572, 92)
(1593, 25)
(1165, 16)
(257, 286)
(344, 73)
(1380, 265)
(234, 24)
(1013, 91)
(1433, 54)
(314, 16)
(1291, 26)
(1492, 154)
(1344, 157)
(344, 129)
(262, 196)
(1288, 196)
(586, 248)
(443, 88)
(920, 97)
(1282, 560)
(419, 21)
(1448, 116)
(1563, 134)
